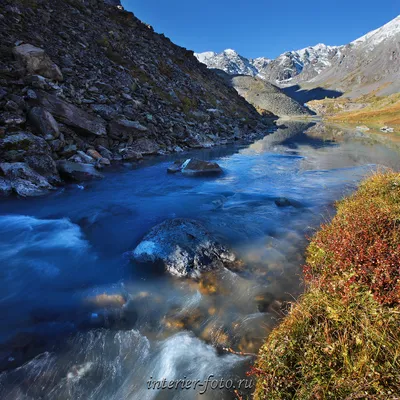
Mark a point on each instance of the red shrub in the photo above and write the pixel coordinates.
(361, 246)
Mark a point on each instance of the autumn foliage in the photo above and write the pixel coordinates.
(361, 246)
(341, 340)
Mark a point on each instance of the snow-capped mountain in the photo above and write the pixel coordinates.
(314, 59)
(261, 64)
(231, 62)
(370, 63)
(300, 65)
(371, 59)
(377, 36)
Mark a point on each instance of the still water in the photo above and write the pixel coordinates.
(79, 321)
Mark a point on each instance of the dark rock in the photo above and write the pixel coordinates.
(105, 111)
(175, 167)
(33, 150)
(44, 123)
(36, 61)
(38, 82)
(264, 301)
(283, 202)
(72, 116)
(129, 154)
(105, 152)
(24, 180)
(145, 146)
(126, 128)
(183, 248)
(18, 100)
(85, 157)
(69, 150)
(45, 166)
(23, 142)
(77, 172)
(31, 95)
(195, 167)
(11, 106)
(57, 145)
(12, 119)
(200, 116)
(5, 187)
(3, 93)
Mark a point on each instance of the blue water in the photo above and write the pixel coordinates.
(59, 251)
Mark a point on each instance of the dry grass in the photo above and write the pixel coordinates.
(330, 349)
(378, 111)
(382, 112)
(342, 338)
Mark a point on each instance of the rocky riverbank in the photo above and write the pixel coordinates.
(84, 84)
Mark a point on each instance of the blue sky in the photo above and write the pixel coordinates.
(262, 28)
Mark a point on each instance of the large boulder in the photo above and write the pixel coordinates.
(195, 167)
(124, 128)
(32, 150)
(145, 146)
(36, 61)
(44, 123)
(77, 172)
(72, 116)
(23, 142)
(183, 248)
(23, 180)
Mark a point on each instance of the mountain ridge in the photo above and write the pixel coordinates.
(313, 65)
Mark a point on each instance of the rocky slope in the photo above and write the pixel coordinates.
(264, 96)
(84, 83)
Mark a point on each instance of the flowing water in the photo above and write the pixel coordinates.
(79, 321)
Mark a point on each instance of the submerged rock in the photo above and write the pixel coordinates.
(283, 202)
(77, 172)
(183, 248)
(195, 167)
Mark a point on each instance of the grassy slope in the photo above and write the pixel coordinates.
(342, 338)
(379, 111)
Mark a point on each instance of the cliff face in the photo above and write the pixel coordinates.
(93, 84)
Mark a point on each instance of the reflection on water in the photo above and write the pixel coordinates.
(81, 322)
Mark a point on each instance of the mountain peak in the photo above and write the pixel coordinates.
(377, 36)
(229, 61)
(230, 51)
